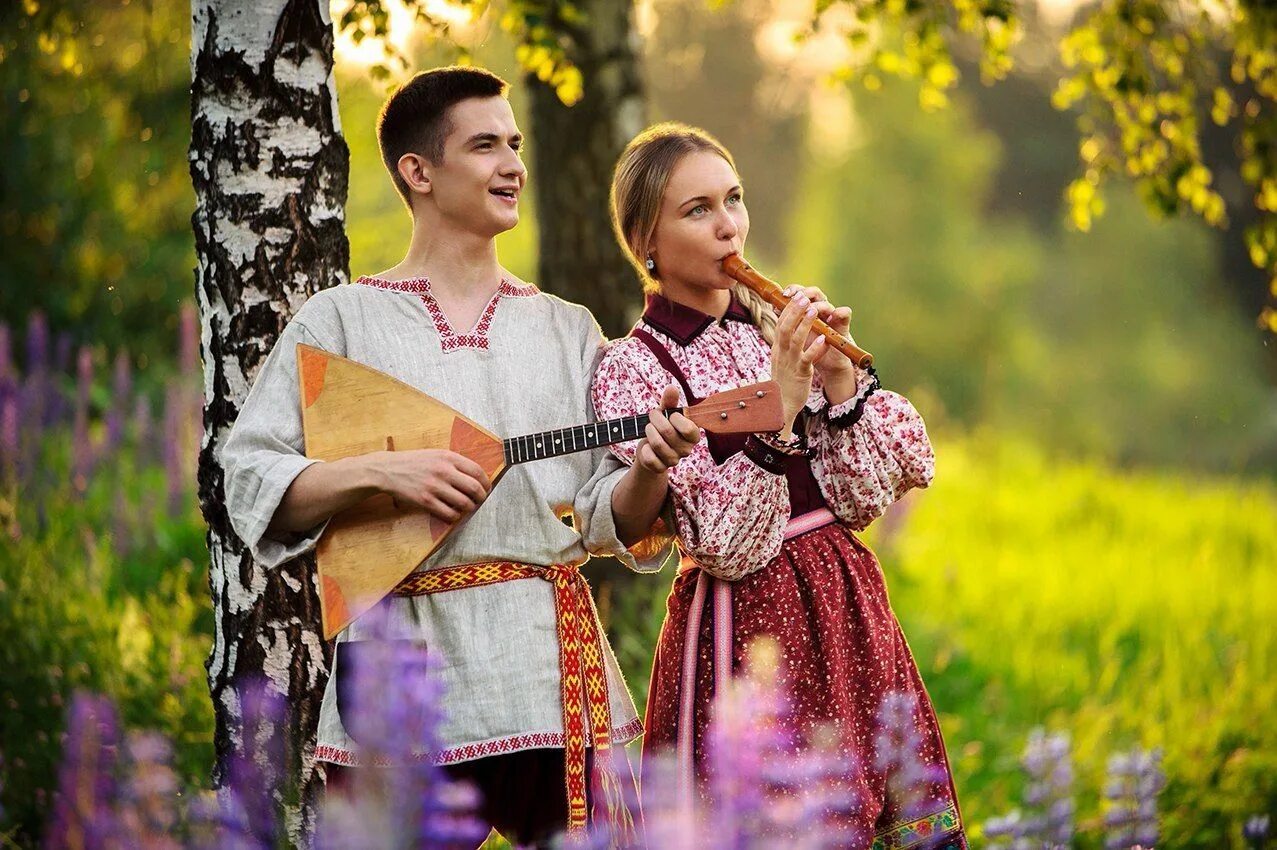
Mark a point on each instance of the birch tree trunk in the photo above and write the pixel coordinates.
(574, 150)
(270, 170)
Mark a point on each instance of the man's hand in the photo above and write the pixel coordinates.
(443, 483)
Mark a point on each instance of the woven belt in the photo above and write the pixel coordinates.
(581, 673)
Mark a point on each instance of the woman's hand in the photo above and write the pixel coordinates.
(837, 372)
(668, 439)
(793, 356)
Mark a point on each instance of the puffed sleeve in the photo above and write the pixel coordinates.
(593, 505)
(868, 451)
(729, 518)
(263, 454)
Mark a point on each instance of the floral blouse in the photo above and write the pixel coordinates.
(730, 518)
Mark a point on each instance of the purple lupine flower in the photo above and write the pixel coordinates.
(142, 425)
(1255, 831)
(37, 343)
(400, 797)
(188, 342)
(9, 439)
(670, 817)
(1134, 781)
(37, 388)
(897, 754)
(148, 814)
(121, 393)
(1046, 821)
(11, 465)
(254, 787)
(8, 372)
(174, 468)
(749, 740)
(59, 407)
(83, 814)
(82, 465)
(766, 784)
(1049, 795)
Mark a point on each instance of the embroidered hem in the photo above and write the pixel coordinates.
(920, 832)
(481, 749)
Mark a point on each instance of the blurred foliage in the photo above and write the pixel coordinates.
(543, 33)
(1146, 75)
(95, 196)
(100, 538)
(1111, 344)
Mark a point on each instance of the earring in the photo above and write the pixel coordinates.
(651, 264)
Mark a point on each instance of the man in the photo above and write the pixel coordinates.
(450, 321)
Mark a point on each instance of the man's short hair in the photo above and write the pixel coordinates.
(414, 119)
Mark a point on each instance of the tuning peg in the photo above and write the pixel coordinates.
(760, 393)
(740, 404)
(722, 416)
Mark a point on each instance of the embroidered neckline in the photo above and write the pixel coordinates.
(477, 337)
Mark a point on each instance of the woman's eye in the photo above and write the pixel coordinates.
(698, 209)
(734, 199)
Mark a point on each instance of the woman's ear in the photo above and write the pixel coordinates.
(415, 171)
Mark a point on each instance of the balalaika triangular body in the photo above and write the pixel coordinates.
(351, 409)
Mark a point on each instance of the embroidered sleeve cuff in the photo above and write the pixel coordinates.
(764, 455)
(848, 413)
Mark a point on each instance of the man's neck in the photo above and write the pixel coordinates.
(459, 265)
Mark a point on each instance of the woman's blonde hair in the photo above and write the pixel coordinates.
(638, 186)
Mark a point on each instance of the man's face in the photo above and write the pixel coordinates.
(477, 185)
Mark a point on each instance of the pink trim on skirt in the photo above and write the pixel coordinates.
(722, 593)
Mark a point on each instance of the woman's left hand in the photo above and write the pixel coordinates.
(668, 438)
(835, 368)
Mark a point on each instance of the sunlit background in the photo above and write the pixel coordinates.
(1096, 556)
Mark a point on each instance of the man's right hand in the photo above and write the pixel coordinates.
(443, 483)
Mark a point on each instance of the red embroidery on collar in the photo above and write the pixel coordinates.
(449, 340)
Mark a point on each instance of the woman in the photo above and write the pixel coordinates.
(766, 523)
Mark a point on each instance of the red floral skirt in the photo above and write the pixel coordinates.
(845, 663)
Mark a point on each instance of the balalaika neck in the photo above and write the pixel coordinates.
(578, 438)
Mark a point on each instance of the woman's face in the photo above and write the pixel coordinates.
(702, 220)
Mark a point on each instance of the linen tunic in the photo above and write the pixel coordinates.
(524, 367)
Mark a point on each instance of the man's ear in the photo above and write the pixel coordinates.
(415, 171)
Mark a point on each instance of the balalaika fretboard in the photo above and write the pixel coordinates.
(578, 438)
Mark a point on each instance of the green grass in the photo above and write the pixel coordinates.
(1128, 609)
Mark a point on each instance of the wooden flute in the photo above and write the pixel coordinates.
(771, 292)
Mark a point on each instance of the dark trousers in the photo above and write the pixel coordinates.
(523, 793)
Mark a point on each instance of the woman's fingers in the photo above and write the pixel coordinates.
(840, 320)
(815, 351)
(687, 429)
(660, 446)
